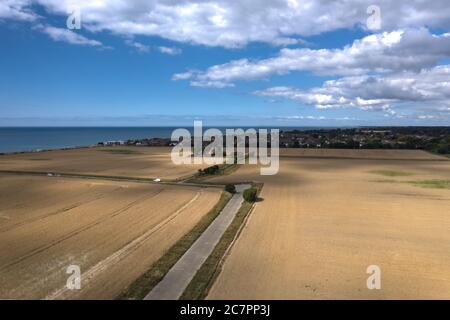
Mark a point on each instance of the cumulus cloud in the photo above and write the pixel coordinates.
(183, 76)
(140, 47)
(411, 49)
(378, 72)
(425, 91)
(143, 48)
(236, 23)
(170, 50)
(17, 10)
(66, 35)
(203, 84)
(211, 84)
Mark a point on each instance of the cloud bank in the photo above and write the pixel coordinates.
(401, 50)
(234, 24)
(398, 71)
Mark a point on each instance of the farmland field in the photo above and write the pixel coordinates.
(377, 154)
(141, 162)
(113, 230)
(324, 218)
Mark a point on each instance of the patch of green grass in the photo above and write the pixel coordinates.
(384, 181)
(435, 184)
(200, 285)
(120, 151)
(391, 173)
(146, 282)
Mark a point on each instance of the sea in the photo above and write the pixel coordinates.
(19, 139)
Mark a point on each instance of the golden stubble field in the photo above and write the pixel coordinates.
(141, 162)
(113, 230)
(324, 220)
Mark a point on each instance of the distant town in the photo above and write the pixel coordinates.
(434, 139)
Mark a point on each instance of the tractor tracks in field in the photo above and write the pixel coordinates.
(79, 230)
(124, 251)
(50, 214)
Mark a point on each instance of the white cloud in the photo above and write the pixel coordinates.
(211, 84)
(203, 84)
(140, 47)
(426, 117)
(411, 49)
(16, 9)
(236, 23)
(66, 35)
(425, 91)
(183, 76)
(170, 50)
(316, 118)
(143, 48)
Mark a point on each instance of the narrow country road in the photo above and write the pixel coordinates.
(177, 279)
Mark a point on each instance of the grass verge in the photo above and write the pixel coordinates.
(224, 169)
(391, 173)
(200, 285)
(145, 283)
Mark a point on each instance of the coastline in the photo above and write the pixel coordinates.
(47, 150)
(32, 139)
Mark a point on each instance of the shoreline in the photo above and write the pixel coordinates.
(6, 153)
(432, 139)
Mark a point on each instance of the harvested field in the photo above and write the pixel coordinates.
(142, 162)
(322, 222)
(113, 230)
(361, 154)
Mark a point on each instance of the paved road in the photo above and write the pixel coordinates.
(181, 274)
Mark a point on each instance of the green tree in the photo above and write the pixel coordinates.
(230, 188)
(250, 195)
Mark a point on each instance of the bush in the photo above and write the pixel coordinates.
(250, 195)
(230, 188)
(210, 170)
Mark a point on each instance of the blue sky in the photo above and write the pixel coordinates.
(106, 75)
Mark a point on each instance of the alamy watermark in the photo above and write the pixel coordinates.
(374, 20)
(74, 280)
(374, 280)
(240, 146)
(74, 17)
